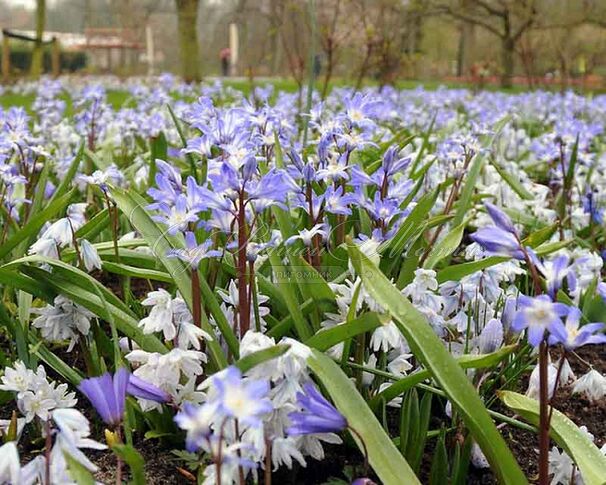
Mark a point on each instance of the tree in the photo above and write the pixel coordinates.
(36, 66)
(187, 20)
(508, 20)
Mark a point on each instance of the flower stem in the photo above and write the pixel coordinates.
(47, 452)
(114, 218)
(543, 414)
(267, 475)
(244, 310)
(364, 449)
(195, 292)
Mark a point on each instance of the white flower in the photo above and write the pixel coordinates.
(45, 246)
(562, 468)
(65, 320)
(386, 337)
(592, 384)
(533, 383)
(33, 404)
(72, 434)
(17, 378)
(90, 256)
(400, 365)
(491, 337)
(10, 468)
(60, 231)
(283, 451)
(190, 336)
(167, 371)
(160, 318)
(368, 377)
(478, 459)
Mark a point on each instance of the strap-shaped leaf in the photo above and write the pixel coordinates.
(383, 456)
(430, 350)
(567, 435)
(133, 206)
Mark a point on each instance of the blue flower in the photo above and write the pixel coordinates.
(194, 253)
(242, 399)
(555, 271)
(591, 207)
(572, 337)
(499, 242)
(107, 393)
(500, 239)
(144, 390)
(538, 315)
(317, 416)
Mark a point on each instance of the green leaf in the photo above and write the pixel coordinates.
(287, 291)
(566, 434)
(251, 360)
(35, 223)
(439, 464)
(75, 284)
(134, 460)
(430, 350)
(325, 339)
(133, 206)
(458, 271)
(468, 361)
(446, 246)
(465, 200)
(512, 181)
(134, 271)
(383, 456)
(94, 226)
(411, 225)
(78, 472)
(69, 175)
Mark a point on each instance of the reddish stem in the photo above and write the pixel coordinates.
(244, 311)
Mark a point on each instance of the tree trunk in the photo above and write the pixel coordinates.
(507, 62)
(36, 66)
(466, 43)
(187, 22)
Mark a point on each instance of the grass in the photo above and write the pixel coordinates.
(119, 99)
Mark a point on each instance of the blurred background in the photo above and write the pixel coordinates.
(504, 43)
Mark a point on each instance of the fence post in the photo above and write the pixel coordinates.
(6, 58)
(55, 57)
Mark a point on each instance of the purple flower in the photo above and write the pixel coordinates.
(571, 336)
(318, 415)
(336, 201)
(497, 241)
(107, 394)
(539, 314)
(194, 253)
(242, 399)
(596, 214)
(500, 239)
(491, 337)
(499, 217)
(144, 390)
(555, 271)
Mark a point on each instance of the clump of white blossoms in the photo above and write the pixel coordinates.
(174, 372)
(172, 317)
(287, 375)
(64, 320)
(71, 431)
(36, 396)
(592, 385)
